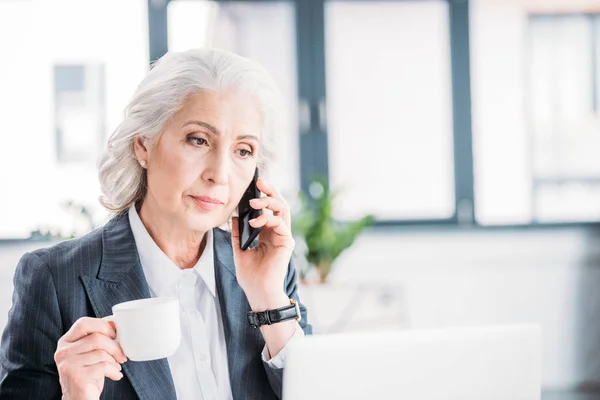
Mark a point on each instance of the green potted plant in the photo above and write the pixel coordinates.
(325, 238)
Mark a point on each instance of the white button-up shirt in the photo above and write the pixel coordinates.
(199, 366)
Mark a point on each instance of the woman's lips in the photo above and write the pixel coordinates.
(207, 203)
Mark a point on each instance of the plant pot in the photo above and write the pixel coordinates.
(316, 274)
(323, 268)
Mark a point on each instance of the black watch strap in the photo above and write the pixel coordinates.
(268, 317)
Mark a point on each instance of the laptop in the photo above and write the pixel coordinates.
(479, 363)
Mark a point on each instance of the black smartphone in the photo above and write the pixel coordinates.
(246, 213)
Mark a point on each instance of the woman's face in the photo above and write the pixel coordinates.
(204, 159)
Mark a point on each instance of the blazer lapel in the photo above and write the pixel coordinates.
(244, 343)
(121, 278)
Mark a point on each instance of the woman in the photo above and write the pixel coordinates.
(193, 135)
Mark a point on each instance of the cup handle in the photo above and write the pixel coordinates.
(111, 318)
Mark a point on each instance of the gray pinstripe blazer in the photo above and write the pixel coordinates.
(86, 277)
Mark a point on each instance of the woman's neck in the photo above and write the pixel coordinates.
(183, 246)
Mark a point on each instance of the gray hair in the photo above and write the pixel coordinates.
(161, 94)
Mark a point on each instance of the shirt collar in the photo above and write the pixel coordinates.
(162, 273)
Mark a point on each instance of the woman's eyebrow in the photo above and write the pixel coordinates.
(203, 124)
(254, 137)
(216, 131)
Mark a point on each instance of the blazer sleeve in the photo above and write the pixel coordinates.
(275, 375)
(27, 367)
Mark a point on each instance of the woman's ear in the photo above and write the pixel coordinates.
(140, 149)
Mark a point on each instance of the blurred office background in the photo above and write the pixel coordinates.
(470, 129)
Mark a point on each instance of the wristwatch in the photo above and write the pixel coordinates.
(268, 317)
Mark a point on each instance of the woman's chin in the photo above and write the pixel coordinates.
(203, 220)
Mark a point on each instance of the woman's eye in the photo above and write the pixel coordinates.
(245, 153)
(197, 141)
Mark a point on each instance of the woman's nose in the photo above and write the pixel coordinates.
(217, 169)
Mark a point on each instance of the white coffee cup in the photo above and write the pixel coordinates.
(147, 329)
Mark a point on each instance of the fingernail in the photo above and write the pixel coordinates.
(120, 375)
(120, 368)
(254, 200)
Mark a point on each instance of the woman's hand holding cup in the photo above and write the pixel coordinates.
(148, 329)
(85, 355)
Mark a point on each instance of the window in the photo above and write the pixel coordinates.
(79, 112)
(381, 98)
(65, 90)
(564, 117)
(390, 109)
(536, 128)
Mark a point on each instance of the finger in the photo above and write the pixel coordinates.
(112, 324)
(97, 341)
(104, 369)
(271, 221)
(85, 326)
(94, 357)
(268, 189)
(271, 203)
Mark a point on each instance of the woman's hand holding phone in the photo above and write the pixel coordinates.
(261, 270)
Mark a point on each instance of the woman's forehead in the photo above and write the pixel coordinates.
(219, 112)
(221, 102)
